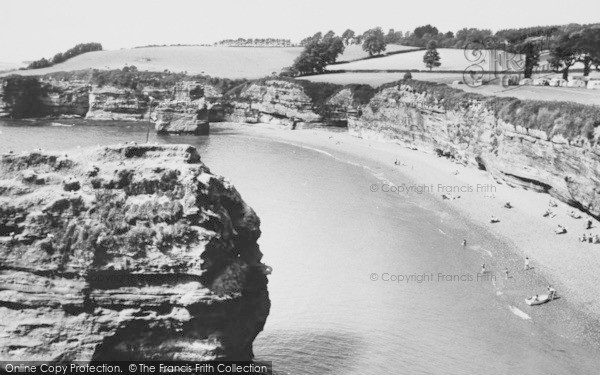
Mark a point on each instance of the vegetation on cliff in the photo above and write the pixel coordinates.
(132, 78)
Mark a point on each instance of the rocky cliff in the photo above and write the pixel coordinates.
(182, 106)
(273, 102)
(122, 103)
(60, 98)
(539, 146)
(187, 111)
(32, 97)
(126, 252)
(285, 102)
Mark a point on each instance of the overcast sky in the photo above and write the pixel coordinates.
(30, 29)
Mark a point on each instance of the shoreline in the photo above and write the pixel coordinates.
(561, 260)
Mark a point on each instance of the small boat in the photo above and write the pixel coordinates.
(542, 298)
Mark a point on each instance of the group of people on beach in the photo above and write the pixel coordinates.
(551, 290)
(589, 238)
(551, 294)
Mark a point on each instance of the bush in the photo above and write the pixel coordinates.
(408, 75)
(130, 77)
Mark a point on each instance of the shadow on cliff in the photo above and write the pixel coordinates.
(308, 352)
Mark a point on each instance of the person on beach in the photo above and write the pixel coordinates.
(483, 270)
(551, 292)
(494, 219)
(527, 264)
(536, 298)
(506, 273)
(464, 242)
(508, 205)
(589, 224)
(582, 238)
(552, 203)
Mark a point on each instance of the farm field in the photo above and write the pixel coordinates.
(379, 78)
(225, 62)
(577, 95)
(451, 59)
(353, 51)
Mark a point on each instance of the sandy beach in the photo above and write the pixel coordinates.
(561, 260)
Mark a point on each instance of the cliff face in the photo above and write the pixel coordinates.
(122, 104)
(128, 252)
(474, 134)
(188, 110)
(273, 101)
(31, 97)
(70, 98)
(186, 107)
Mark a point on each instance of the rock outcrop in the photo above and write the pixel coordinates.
(473, 133)
(188, 110)
(122, 104)
(273, 101)
(184, 106)
(70, 98)
(126, 252)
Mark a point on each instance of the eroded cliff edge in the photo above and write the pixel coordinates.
(126, 252)
(551, 147)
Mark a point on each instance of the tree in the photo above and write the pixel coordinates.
(427, 29)
(390, 36)
(565, 54)
(347, 36)
(318, 52)
(532, 58)
(431, 57)
(531, 51)
(589, 49)
(374, 41)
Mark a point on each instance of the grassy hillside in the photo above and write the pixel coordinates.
(225, 62)
(353, 52)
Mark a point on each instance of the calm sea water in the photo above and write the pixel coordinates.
(327, 237)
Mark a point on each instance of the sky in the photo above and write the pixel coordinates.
(31, 29)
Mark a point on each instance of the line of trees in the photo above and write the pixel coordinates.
(258, 42)
(569, 44)
(581, 46)
(64, 56)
